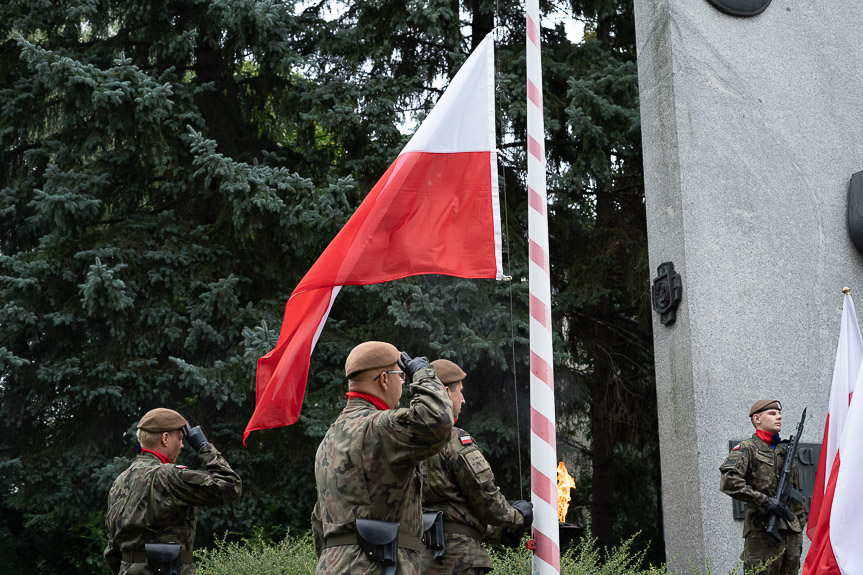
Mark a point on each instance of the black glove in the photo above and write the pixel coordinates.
(195, 436)
(773, 506)
(526, 509)
(411, 366)
(512, 538)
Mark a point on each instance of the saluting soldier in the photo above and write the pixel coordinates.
(152, 506)
(459, 483)
(750, 473)
(367, 518)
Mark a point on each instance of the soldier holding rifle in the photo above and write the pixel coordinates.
(756, 472)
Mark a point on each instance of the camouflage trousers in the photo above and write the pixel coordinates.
(144, 569)
(464, 556)
(468, 571)
(760, 547)
(350, 560)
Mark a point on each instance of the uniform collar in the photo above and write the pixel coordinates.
(771, 439)
(376, 401)
(161, 457)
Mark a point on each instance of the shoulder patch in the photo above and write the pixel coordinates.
(466, 440)
(735, 447)
(181, 466)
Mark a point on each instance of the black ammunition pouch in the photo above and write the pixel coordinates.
(163, 558)
(379, 540)
(433, 533)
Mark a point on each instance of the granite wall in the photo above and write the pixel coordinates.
(751, 128)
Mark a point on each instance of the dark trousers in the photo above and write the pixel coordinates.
(760, 547)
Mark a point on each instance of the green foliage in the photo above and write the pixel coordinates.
(170, 170)
(296, 554)
(256, 556)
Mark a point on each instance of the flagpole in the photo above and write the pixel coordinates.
(543, 444)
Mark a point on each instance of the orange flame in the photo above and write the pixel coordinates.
(565, 482)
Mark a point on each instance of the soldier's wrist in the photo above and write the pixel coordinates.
(424, 373)
(519, 519)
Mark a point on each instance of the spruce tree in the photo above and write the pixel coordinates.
(152, 225)
(170, 170)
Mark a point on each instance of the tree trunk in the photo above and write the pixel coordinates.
(604, 480)
(603, 340)
(482, 22)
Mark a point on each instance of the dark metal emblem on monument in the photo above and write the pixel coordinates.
(855, 210)
(667, 291)
(741, 7)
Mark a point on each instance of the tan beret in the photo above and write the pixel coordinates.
(447, 371)
(764, 405)
(161, 419)
(370, 355)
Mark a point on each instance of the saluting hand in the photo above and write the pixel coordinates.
(411, 366)
(195, 436)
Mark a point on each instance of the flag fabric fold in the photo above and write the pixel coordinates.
(849, 354)
(435, 211)
(846, 516)
(821, 558)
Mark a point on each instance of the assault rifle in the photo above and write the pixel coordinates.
(784, 490)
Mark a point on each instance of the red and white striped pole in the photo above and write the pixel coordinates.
(543, 444)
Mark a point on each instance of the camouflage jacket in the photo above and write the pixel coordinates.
(750, 473)
(367, 466)
(459, 482)
(155, 502)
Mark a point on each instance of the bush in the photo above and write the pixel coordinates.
(296, 554)
(583, 558)
(256, 556)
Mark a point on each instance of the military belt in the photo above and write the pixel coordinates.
(406, 541)
(141, 557)
(461, 529)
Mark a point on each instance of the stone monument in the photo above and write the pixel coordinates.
(752, 127)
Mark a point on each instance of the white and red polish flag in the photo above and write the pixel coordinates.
(846, 516)
(434, 211)
(821, 559)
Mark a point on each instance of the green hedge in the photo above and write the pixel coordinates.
(296, 554)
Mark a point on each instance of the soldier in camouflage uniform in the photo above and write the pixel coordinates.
(367, 466)
(750, 473)
(459, 482)
(154, 501)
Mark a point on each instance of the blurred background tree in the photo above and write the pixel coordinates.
(170, 170)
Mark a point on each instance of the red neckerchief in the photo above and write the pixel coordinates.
(377, 402)
(161, 457)
(771, 439)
